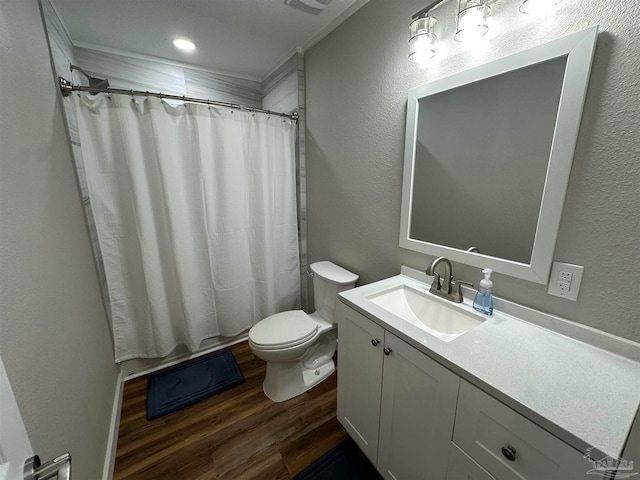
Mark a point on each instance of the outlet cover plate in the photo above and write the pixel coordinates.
(557, 282)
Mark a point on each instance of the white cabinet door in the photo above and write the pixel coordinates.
(360, 343)
(417, 414)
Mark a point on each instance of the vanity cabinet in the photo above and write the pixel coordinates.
(397, 404)
(416, 420)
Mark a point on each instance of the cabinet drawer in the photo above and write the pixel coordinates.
(461, 467)
(509, 446)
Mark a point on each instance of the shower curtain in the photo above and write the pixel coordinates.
(195, 209)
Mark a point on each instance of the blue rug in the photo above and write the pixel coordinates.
(344, 462)
(188, 383)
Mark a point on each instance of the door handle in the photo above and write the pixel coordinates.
(59, 468)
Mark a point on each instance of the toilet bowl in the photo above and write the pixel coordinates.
(299, 347)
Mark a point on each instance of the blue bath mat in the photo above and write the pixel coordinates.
(188, 383)
(344, 462)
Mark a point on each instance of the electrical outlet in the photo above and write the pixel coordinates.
(564, 276)
(565, 280)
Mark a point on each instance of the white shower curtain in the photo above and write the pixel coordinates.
(195, 208)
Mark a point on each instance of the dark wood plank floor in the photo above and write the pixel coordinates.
(238, 434)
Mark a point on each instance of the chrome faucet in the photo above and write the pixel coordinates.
(445, 287)
(438, 285)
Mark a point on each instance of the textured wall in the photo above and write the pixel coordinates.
(357, 80)
(54, 337)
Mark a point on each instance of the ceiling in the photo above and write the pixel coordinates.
(248, 38)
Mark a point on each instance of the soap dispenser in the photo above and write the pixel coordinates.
(484, 297)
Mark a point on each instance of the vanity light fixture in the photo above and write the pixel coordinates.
(538, 6)
(421, 37)
(470, 24)
(184, 44)
(470, 21)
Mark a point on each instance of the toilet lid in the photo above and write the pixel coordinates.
(285, 329)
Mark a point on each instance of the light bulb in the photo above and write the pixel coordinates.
(422, 39)
(471, 21)
(184, 44)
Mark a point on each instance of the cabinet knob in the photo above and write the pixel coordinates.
(509, 453)
(375, 342)
(387, 351)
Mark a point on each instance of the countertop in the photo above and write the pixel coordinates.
(583, 394)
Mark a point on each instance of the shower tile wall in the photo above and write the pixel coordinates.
(280, 88)
(59, 41)
(302, 181)
(139, 73)
(214, 86)
(131, 73)
(284, 92)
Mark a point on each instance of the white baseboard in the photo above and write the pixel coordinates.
(114, 426)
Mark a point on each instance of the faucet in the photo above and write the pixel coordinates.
(446, 287)
(438, 285)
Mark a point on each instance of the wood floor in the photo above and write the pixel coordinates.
(238, 434)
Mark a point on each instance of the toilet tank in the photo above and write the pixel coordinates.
(328, 280)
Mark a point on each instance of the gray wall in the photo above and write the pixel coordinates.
(357, 80)
(54, 338)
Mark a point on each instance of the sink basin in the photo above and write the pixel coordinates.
(426, 312)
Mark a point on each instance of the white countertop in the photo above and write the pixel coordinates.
(585, 395)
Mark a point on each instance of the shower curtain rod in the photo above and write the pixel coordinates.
(66, 88)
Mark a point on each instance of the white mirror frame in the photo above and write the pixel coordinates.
(578, 48)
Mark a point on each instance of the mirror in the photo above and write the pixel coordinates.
(488, 153)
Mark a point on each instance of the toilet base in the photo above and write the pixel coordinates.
(287, 380)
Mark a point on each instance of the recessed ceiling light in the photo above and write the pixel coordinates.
(184, 44)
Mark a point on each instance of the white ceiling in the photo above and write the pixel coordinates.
(243, 37)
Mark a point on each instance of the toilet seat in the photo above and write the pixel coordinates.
(283, 330)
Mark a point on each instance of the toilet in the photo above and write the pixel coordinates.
(299, 347)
